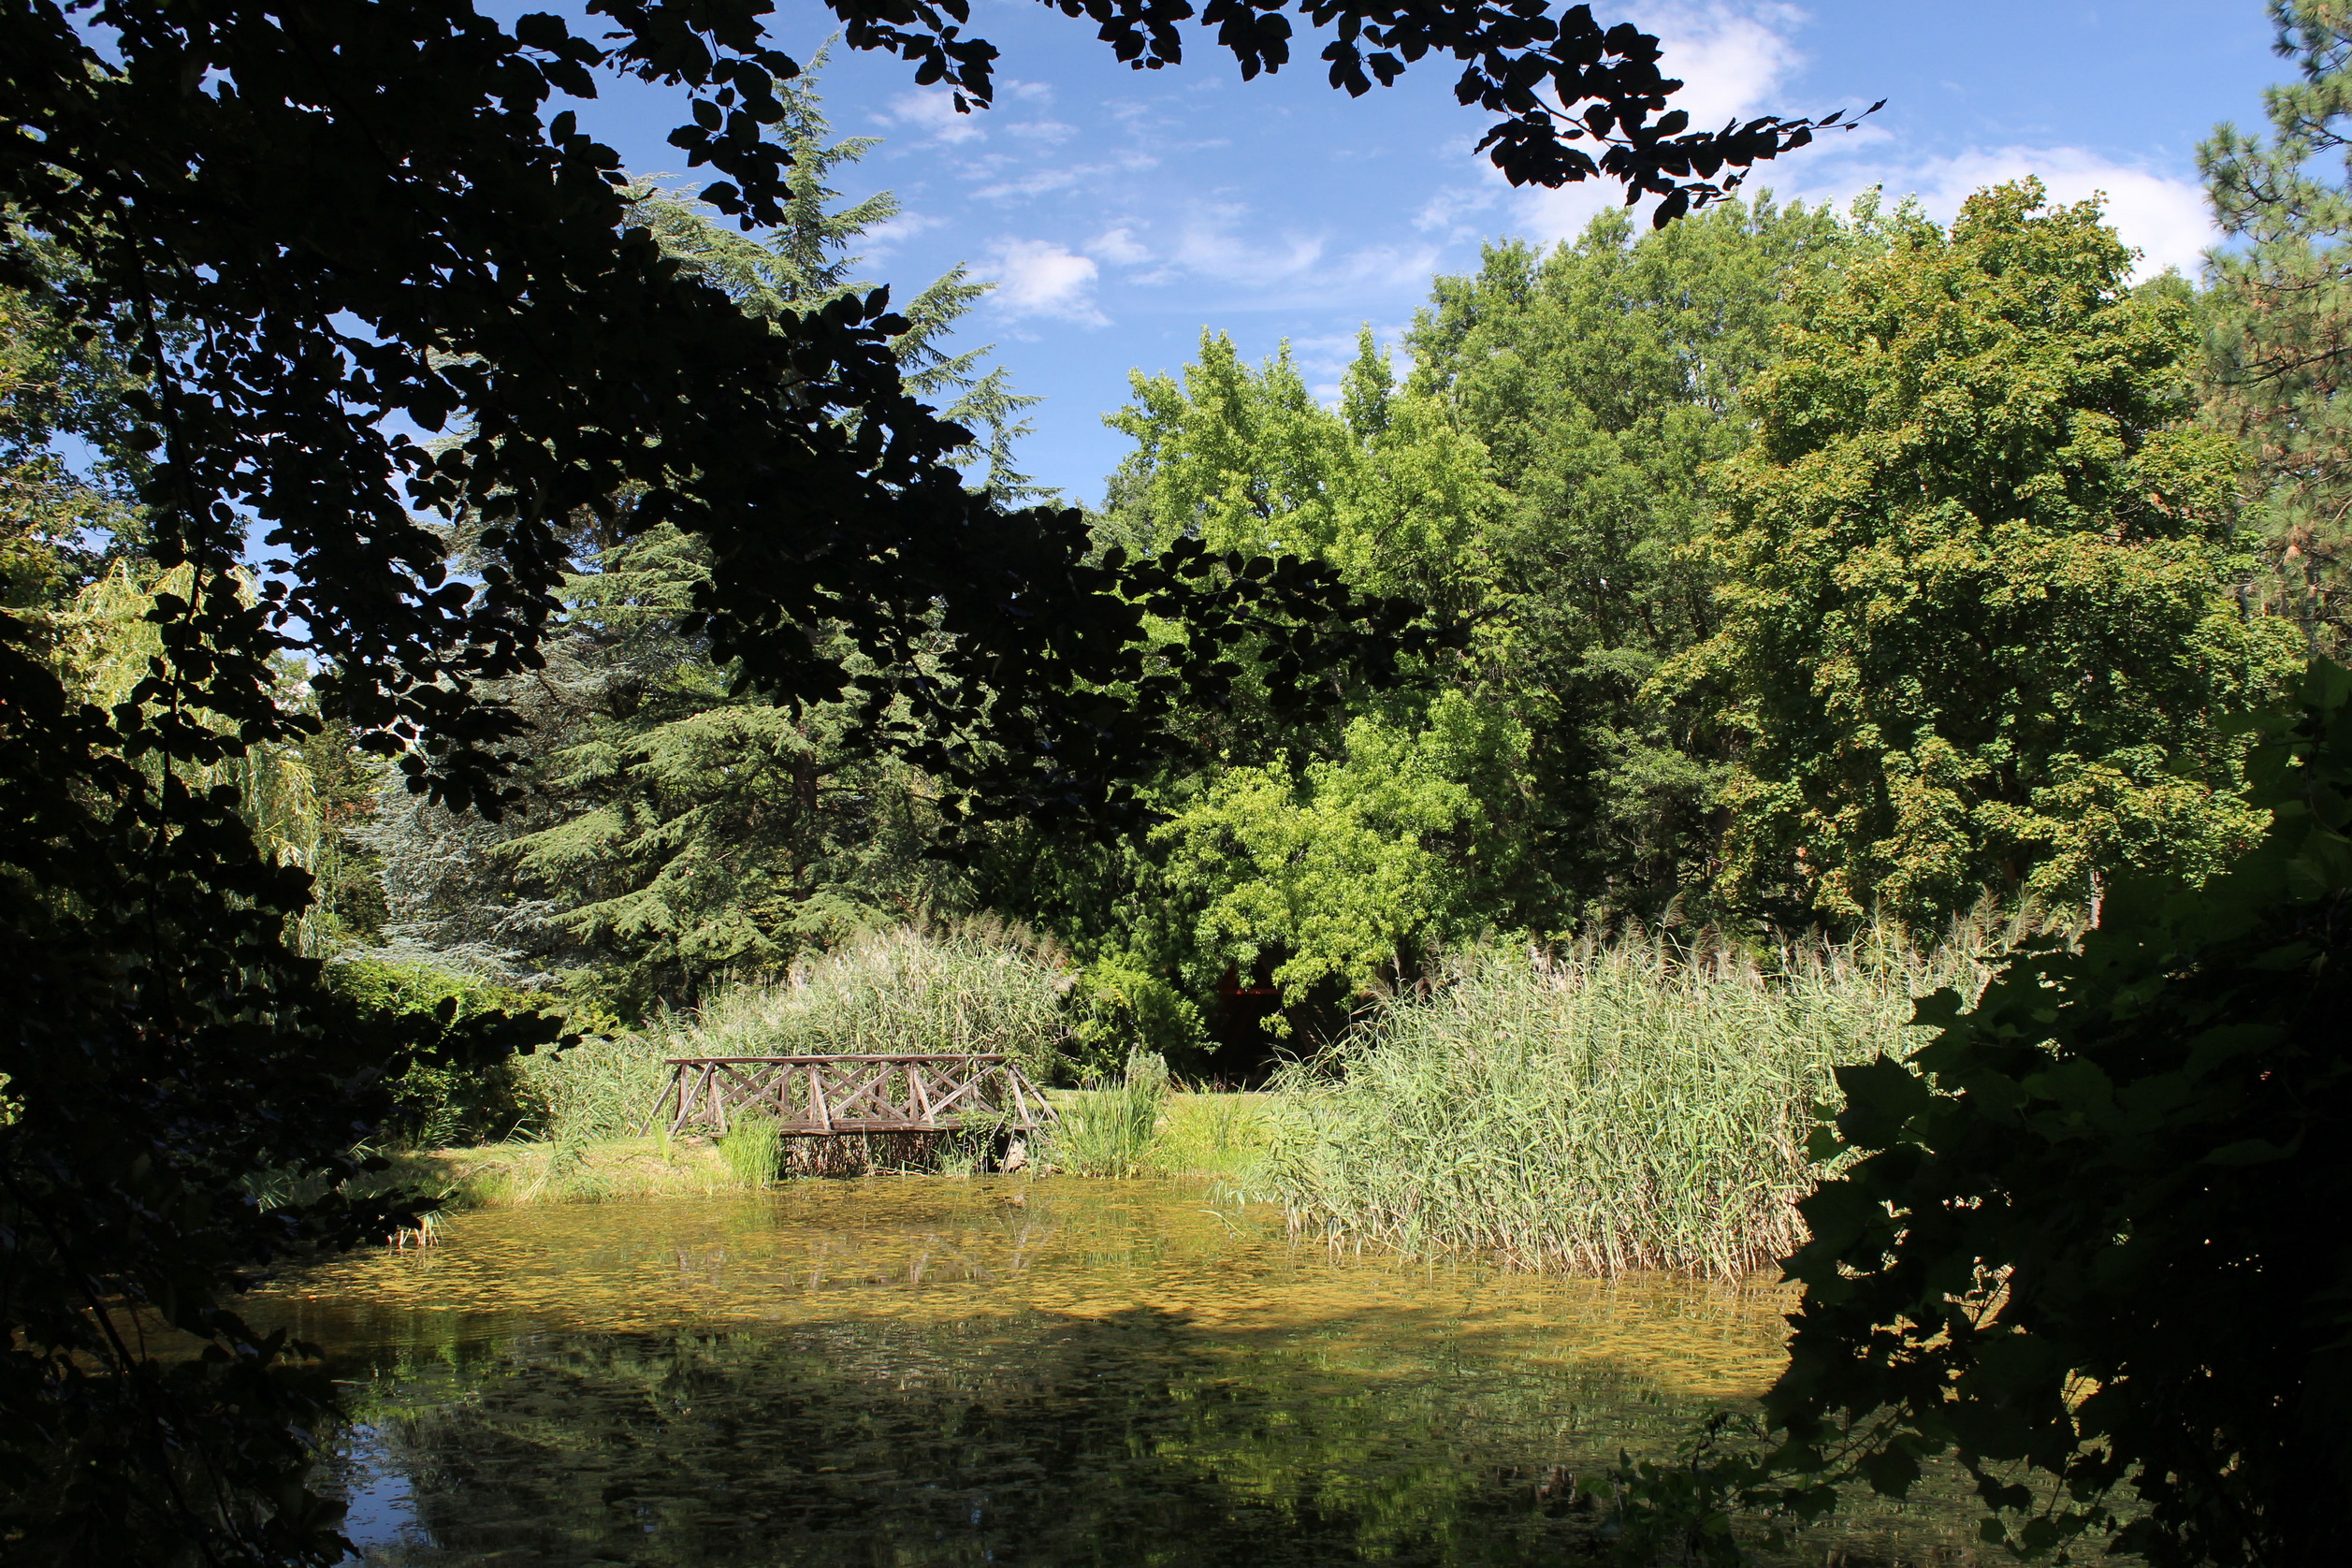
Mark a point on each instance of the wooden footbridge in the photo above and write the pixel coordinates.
(827, 1097)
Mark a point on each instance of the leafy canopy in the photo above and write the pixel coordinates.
(1541, 476)
(1603, 380)
(1328, 851)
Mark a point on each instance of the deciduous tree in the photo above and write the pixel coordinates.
(1974, 571)
(1603, 380)
(1328, 852)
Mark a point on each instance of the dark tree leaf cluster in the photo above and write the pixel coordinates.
(1555, 80)
(2090, 1236)
(165, 1044)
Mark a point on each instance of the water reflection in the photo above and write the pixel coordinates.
(1052, 1373)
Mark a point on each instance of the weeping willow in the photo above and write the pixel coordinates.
(105, 641)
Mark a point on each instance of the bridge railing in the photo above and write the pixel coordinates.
(830, 1095)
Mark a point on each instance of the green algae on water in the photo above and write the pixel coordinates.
(1052, 1372)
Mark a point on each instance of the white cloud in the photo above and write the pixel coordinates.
(1227, 243)
(1119, 246)
(883, 237)
(1732, 58)
(1047, 178)
(1736, 58)
(1385, 267)
(1037, 181)
(2163, 216)
(932, 112)
(1442, 214)
(1039, 278)
(1550, 216)
(1210, 247)
(1043, 132)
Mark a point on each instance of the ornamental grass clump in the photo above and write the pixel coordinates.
(752, 1150)
(1109, 1129)
(1637, 1105)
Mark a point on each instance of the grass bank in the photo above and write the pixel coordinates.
(1184, 1134)
(502, 1175)
(1140, 1127)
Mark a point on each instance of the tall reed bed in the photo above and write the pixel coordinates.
(1628, 1106)
(964, 987)
(752, 1151)
(602, 1088)
(970, 986)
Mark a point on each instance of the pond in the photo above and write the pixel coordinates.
(1050, 1371)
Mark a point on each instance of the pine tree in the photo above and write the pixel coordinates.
(2280, 341)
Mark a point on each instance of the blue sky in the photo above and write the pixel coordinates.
(1121, 212)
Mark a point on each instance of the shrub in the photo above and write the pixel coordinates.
(439, 1105)
(1117, 1005)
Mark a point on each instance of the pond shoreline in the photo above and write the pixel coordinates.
(1205, 1136)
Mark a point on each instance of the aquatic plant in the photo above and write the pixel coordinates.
(1627, 1105)
(1217, 1135)
(752, 1149)
(1108, 1128)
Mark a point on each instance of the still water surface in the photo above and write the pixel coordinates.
(917, 1372)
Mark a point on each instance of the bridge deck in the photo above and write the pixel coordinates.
(827, 1096)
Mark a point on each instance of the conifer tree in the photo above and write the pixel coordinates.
(806, 263)
(677, 829)
(2281, 347)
